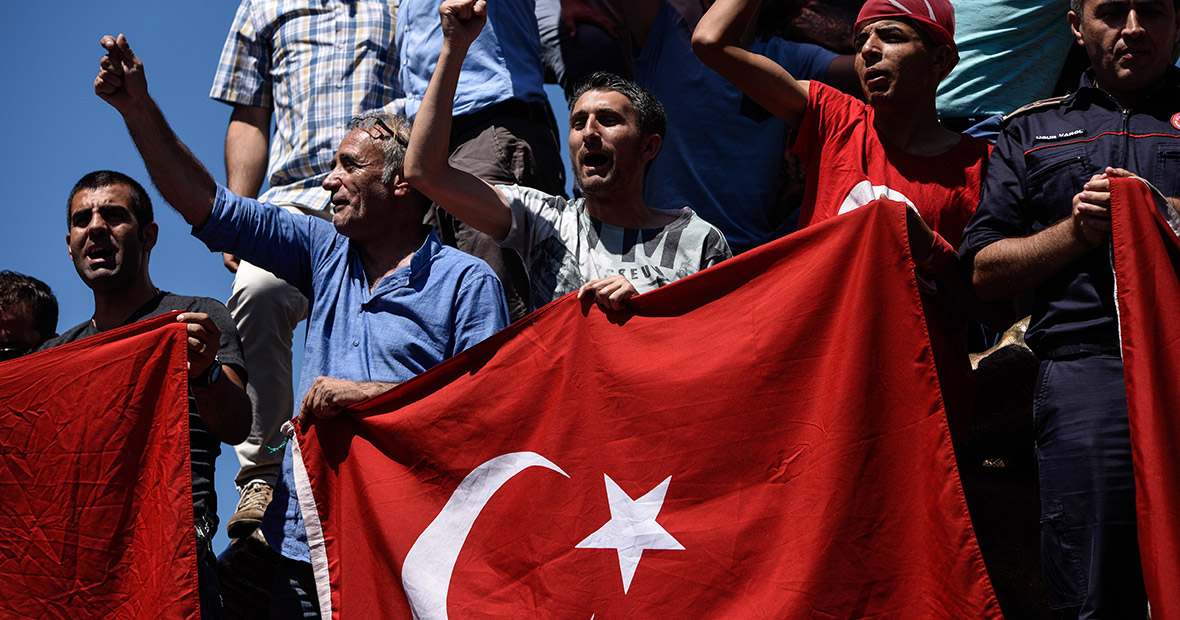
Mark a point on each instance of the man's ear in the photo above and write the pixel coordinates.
(401, 186)
(942, 58)
(69, 248)
(651, 147)
(1075, 24)
(150, 234)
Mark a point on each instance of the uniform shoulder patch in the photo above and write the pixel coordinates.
(1036, 105)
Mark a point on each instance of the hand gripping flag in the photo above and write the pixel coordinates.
(764, 439)
(1146, 256)
(96, 515)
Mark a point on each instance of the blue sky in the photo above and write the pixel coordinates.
(57, 130)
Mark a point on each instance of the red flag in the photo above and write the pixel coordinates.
(1146, 256)
(96, 519)
(762, 440)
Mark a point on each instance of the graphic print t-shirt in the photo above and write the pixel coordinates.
(563, 247)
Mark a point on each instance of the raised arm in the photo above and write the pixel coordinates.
(427, 168)
(181, 179)
(717, 41)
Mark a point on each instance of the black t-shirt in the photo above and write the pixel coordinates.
(204, 446)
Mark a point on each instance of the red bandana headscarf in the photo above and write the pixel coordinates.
(935, 17)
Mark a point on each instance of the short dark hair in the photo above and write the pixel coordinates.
(141, 203)
(17, 289)
(649, 112)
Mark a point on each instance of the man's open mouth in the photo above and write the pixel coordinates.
(595, 160)
(100, 253)
(876, 80)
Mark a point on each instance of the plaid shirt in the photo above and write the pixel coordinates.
(316, 64)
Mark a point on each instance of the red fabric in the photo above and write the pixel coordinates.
(935, 17)
(96, 519)
(1146, 258)
(840, 148)
(790, 397)
(848, 165)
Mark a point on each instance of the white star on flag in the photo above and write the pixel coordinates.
(632, 527)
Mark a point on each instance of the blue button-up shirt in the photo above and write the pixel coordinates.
(442, 303)
(503, 63)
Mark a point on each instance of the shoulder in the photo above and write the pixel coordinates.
(1043, 105)
(468, 276)
(215, 309)
(533, 199)
(833, 105)
(709, 235)
(456, 259)
(974, 151)
(76, 332)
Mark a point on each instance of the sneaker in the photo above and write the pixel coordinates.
(248, 516)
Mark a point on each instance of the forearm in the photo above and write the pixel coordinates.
(247, 145)
(427, 168)
(224, 407)
(1012, 267)
(327, 397)
(182, 180)
(717, 41)
(368, 389)
(426, 157)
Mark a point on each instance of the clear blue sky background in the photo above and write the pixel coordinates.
(57, 130)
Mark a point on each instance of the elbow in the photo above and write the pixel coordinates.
(414, 172)
(987, 286)
(421, 173)
(706, 43)
(241, 418)
(239, 433)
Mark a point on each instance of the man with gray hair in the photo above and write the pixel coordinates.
(387, 299)
(309, 66)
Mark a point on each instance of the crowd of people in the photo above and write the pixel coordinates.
(415, 205)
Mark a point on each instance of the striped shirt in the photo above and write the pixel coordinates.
(316, 64)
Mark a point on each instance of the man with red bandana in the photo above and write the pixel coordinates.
(890, 145)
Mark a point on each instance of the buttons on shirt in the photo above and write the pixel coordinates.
(356, 343)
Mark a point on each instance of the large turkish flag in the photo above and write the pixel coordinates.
(764, 439)
(96, 509)
(1146, 256)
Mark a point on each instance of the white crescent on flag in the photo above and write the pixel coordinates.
(426, 572)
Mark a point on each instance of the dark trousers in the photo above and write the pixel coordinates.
(208, 586)
(1089, 546)
(293, 593)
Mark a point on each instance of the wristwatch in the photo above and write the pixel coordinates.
(209, 376)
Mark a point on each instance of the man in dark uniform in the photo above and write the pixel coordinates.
(1043, 226)
(110, 238)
